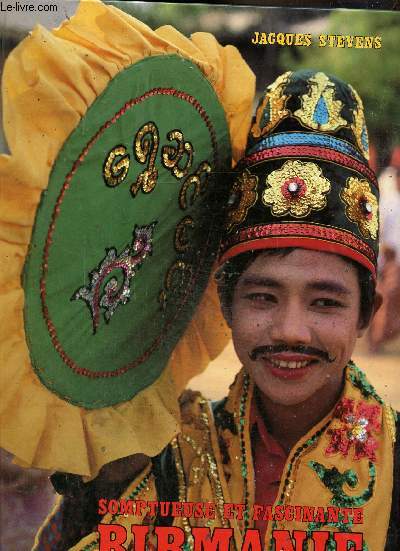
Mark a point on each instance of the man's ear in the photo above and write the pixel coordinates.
(377, 304)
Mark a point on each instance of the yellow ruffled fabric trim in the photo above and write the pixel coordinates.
(49, 82)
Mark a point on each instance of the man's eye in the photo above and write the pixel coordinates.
(260, 297)
(327, 303)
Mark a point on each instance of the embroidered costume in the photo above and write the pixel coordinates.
(345, 461)
(116, 232)
(303, 182)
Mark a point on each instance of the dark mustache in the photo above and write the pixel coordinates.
(274, 349)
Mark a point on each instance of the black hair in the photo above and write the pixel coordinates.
(228, 276)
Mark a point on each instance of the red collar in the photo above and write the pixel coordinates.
(272, 446)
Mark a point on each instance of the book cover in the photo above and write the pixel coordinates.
(188, 189)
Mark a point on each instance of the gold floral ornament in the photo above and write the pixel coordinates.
(361, 206)
(243, 196)
(359, 127)
(319, 108)
(272, 108)
(296, 188)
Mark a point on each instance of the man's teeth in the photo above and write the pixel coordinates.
(290, 365)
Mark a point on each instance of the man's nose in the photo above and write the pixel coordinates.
(290, 325)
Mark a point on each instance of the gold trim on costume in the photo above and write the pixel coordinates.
(321, 91)
(244, 194)
(272, 108)
(296, 188)
(361, 206)
(359, 127)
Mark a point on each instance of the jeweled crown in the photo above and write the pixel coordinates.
(305, 180)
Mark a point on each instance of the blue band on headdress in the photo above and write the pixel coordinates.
(300, 138)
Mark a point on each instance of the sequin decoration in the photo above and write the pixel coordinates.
(116, 166)
(243, 196)
(311, 151)
(114, 293)
(357, 423)
(359, 126)
(316, 139)
(359, 381)
(272, 107)
(172, 156)
(181, 240)
(176, 281)
(198, 181)
(296, 188)
(244, 404)
(361, 206)
(319, 108)
(146, 147)
(336, 481)
(58, 208)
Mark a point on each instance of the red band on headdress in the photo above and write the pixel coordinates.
(314, 152)
(306, 236)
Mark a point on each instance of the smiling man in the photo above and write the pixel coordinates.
(310, 320)
(302, 451)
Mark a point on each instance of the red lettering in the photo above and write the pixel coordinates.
(176, 509)
(320, 539)
(279, 512)
(139, 537)
(257, 511)
(240, 509)
(308, 514)
(284, 542)
(113, 506)
(320, 515)
(210, 509)
(299, 511)
(289, 512)
(252, 541)
(228, 510)
(187, 509)
(152, 505)
(234, 510)
(358, 516)
(102, 510)
(343, 538)
(220, 540)
(169, 538)
(164, 508)
(125, 507)
(268, 515)
(111, 537)
(333, 514)
(345, 512)
(198, 509)
(140, 505)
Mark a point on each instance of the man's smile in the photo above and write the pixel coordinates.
(289, 363)
(288, 366)
(284, 354)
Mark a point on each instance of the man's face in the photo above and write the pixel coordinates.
(304, 307)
